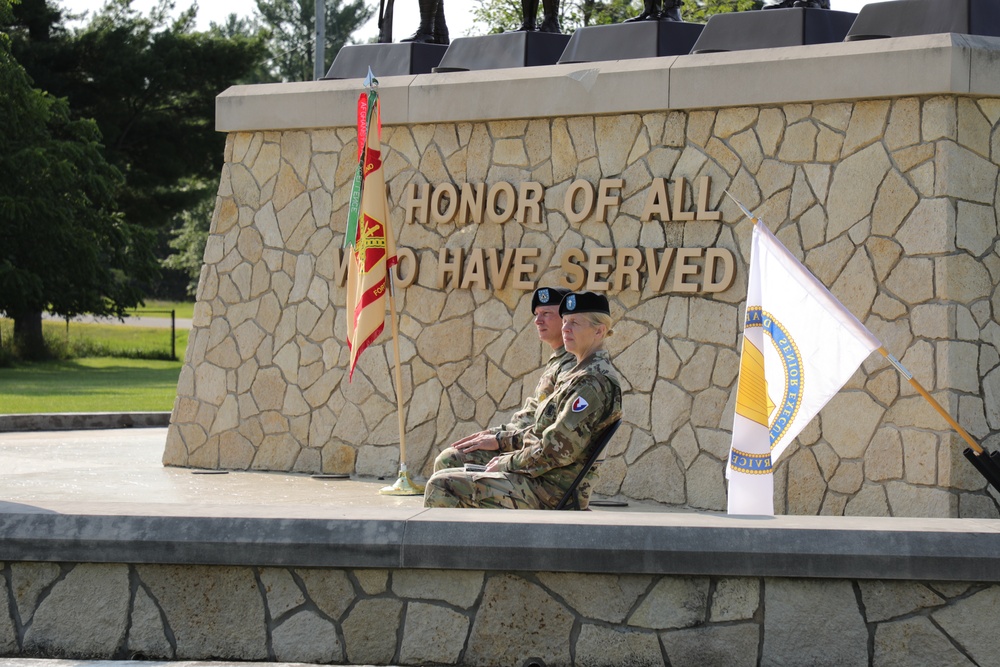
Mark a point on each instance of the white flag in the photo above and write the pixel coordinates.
(800, 345)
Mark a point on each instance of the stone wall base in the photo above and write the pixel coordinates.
(418, 617)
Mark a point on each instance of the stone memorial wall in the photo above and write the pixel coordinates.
(890, 199)
(419, 617)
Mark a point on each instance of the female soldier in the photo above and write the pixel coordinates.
(584, 402)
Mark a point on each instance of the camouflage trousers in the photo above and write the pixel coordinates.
(452, 458)
(455, 487)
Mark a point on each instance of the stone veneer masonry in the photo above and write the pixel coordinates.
(476, 618)
(888, 194)
(494, 588)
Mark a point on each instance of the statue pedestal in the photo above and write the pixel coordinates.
(904, 18)
(627, 41)
(508, 49)
(353, 60)
(770, 28)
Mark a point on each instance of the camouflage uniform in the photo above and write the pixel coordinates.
(584, 402)
(559, 363)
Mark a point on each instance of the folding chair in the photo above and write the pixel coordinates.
(570, 500)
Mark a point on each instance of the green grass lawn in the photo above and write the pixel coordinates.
(94, 383)
(89, 385)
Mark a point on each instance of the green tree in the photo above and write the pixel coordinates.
(291, 27)
(150, 82)
(699, 11)
(188, 243)
(501, 15)
(504, 15)
(63, 247)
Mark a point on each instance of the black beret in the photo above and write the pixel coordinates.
(547, 296)
(584, 302)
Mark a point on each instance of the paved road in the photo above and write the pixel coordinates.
(160, 322)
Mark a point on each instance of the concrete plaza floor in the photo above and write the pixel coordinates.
(124, 466)
(121, 470)
(38, 662)
(50, 469)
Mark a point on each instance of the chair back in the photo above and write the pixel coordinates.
(570, 501)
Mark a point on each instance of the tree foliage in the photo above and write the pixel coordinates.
(501, 15)
(290, 26)
(63, 246)
(150, 82)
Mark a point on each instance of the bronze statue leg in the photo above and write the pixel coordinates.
(529, 10)
(671, 10)
(428, 31)
(440, 26)
(651, 12)
(551, 20)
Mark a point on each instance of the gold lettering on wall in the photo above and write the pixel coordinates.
(570, 263)
(714, 257)
(499, 269)
(596, 268)
(474, 273)
(684, 268)
(493, 200)
(502, 201)
(658, 269)
(605, 199)
(418, 196)
(522, 268)
(704, 189)
(679, 214)
(473, 203)
(586, 190)
(692, 270)
(449, 267)
(445, 190)
(405, 257)
(529, 203)
(628, 261)
(657, 202)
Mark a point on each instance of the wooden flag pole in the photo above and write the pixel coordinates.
(930, 399)
(403, 486)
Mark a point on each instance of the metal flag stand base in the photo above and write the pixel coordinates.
(403, 486)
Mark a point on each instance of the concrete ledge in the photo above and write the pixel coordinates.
(905, 66)
(75, 421)
(595, 542)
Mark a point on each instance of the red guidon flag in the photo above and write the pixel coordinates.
(374, 250)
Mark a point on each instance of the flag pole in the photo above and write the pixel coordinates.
(988, 464)
(403, 486)
(930, 399)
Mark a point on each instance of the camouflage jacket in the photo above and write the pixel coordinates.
(584, 402)
(510, 434)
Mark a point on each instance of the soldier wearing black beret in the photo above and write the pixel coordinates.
(480, 447)
(585, 400)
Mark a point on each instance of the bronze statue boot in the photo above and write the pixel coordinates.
(671, 10)
(789, 4)
(529, 8)
(440, 26)
(651, 12)
(433, 29)
(551, 21)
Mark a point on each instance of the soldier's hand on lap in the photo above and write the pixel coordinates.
(483, 440)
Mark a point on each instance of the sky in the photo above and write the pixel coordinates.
(407, 15)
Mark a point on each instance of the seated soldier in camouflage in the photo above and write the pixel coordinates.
(481, 447)
(586, 399)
